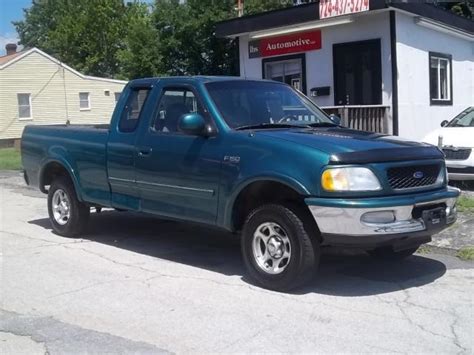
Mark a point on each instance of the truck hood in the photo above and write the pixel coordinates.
(452, 136)
(347, 146)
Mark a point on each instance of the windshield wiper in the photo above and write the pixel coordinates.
(323, 124)
(270, 125)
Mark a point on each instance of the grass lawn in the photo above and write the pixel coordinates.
(466, 253)
(465, 204)
(10, 159)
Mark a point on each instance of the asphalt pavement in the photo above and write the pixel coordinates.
(136, 284)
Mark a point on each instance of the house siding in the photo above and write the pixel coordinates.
(417, 117)
(54, 95)
(319, 63)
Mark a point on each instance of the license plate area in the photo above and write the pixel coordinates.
(434, 218)
(417, 212)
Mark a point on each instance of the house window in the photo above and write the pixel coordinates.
(84, 101)
(440, 79)
(117, 96)
(287, 69)
(24, 106)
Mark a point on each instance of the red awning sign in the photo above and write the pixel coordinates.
(298, 42)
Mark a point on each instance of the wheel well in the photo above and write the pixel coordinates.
(50, 172)
(260, 193)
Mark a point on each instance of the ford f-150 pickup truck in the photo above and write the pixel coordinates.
(250, 156)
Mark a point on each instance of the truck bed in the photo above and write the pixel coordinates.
(80, 147)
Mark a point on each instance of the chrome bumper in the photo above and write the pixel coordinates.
(459, 176)
(349, 222)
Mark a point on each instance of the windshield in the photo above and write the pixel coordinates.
(251, 103)
(464, 119)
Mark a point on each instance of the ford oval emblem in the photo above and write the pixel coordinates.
(418, 174)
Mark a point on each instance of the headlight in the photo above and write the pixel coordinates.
(349, 179)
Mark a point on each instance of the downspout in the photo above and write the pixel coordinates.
(393, 57)
(65, 92)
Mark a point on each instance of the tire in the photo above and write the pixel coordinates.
(277, 233)
(70, 224)
(390, 254)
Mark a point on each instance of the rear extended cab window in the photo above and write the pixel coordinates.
(132, 110)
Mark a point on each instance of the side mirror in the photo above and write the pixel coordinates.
(192, 124)
(335, 118)
(444, 123)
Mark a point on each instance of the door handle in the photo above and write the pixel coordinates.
(144, 152)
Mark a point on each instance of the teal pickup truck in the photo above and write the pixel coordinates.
(250, 156)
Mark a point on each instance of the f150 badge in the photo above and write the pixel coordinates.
(232, 159)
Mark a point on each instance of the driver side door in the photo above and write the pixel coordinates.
(178, 174)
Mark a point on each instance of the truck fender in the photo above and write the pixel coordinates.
(282, 179)
(67, 166)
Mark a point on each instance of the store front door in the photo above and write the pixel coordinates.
(287, 69)
(357, 73)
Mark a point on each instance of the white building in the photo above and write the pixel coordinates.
(36, 88)
(393, 67)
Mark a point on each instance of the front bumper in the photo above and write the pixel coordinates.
(465, 173)
(461, 169)
(381, 220)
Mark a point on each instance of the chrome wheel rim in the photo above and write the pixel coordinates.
(61, 207)
(271, 248)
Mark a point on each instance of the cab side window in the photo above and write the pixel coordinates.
(132, 111)
(174, 103)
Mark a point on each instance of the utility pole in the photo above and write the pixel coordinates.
(240, 8)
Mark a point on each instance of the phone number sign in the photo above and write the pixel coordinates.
(331, 8)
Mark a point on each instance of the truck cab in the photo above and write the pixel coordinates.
(253, 157)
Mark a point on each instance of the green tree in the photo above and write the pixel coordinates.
(187, 41)
(140, 56)
(255, 6)
(86, 34)
(462, 8)
(123, 39)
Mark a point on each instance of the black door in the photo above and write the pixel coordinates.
(357, 73)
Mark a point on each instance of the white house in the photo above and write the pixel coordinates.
(394, 67)
(36, 88)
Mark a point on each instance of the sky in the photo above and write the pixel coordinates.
(10, 10)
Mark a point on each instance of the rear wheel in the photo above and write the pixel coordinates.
(67, 214)
(278, 251)
(390, 254)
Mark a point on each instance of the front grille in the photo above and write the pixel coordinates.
(457, 154)
(407, 177)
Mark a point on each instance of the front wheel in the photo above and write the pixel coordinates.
(67, 214)
(278, 252)
(390, 254)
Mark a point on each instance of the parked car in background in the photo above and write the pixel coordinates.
(456, 138)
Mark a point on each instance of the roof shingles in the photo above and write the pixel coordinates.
(6, 58)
